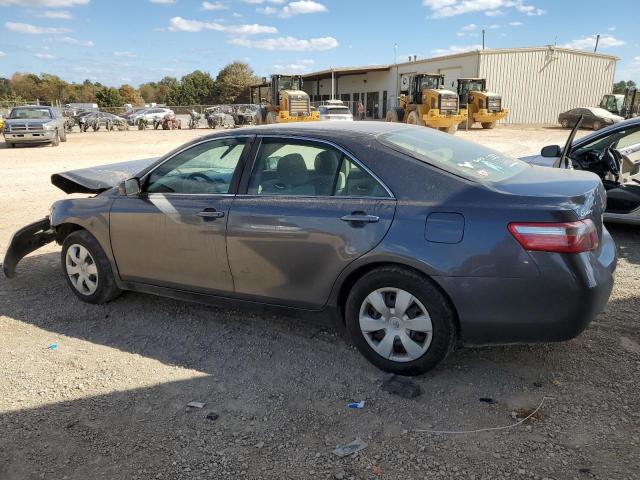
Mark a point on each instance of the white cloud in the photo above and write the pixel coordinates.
(469, 28)
(297, 67)
(588, 43)
(492, 8)
(43, 3)
(515, 24)
(33, 29)
(493, 26)
(44, 56)
(287, 43)
(124, 54)
(2, 54)
(300, 7)
(260, 2)
(62, 15)
(163, 2)
(452, 49)
(73, 41)
(214, 6)
(179, 24)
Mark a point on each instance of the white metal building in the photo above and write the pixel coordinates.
(536, 83)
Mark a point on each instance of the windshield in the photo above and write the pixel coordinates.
(475, 85)
(429, 82)
(31, 113)
(462, 158)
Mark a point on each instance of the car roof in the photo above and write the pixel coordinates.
(324, 129)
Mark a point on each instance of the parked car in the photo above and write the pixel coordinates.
(593, 117)
(97, 120)
(34, 124)
(613, 154)
(335, 110)
(150, 114)
(418, 241)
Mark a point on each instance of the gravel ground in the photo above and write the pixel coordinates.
(110, 401)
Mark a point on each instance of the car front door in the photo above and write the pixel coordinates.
(173, 233)
(304, 213)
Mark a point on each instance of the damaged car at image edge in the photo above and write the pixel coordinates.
(417, 241)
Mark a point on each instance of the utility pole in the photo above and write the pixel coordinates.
(597, 41)
(483, 38)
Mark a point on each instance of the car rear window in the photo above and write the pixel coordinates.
(460, 157)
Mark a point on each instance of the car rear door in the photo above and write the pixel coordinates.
(303, 213)
(173, 233)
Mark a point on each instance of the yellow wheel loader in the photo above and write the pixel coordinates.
(282, 100)
(424, 101)
(481, 106)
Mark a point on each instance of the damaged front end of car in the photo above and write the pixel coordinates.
(69, 214)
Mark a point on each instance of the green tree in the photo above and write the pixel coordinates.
(109, 97)
(621, 86)
(5, 88)
(233, 81)
(198, 87)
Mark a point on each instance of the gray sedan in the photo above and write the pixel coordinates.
(418, 241)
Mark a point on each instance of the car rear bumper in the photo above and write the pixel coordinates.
(555, 306)
(43, 136)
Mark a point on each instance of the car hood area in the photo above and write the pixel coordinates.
(100, 178)
(540, 161)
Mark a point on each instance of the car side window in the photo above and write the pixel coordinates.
(305, 168)
(631, 138)
(206, 168)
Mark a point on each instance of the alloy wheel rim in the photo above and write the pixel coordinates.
(395, 324)
(81, 269)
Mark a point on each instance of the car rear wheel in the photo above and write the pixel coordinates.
(87, 268)
(400, 321)
(564, 123)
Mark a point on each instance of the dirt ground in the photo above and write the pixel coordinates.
(110, 401)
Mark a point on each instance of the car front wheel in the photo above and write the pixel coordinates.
(87, 268)
(400, 321)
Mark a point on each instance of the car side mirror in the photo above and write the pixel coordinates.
(129, 187)
(551, 151)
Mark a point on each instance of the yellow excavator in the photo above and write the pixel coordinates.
(424, 101)
(480, 105)
(282, 100)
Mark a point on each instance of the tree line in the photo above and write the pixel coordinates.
(231, 85)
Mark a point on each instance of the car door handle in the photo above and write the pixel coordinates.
(360, 218)
(210, 214)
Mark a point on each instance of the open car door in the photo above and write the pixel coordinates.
(564, 157)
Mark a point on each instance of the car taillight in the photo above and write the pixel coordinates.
(568, 237)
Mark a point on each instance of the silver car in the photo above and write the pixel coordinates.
(335, 110)
(34, 124)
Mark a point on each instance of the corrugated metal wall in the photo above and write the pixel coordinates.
(536, 85)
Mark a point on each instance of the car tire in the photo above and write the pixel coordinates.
(63, 137)
(87, 269)
(56, 140)
(427, 310)
(564, 123)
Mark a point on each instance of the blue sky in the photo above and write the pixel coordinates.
(133, 41)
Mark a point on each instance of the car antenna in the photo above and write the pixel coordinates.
(567, 146)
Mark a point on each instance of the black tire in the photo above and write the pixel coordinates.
(488, 125)
(56, 140)
(63, 137)
(106, 289)
(564, 123)
(438, 307)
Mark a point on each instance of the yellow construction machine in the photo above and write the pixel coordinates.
(282, 100)
(424, 101)
(480, 105)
